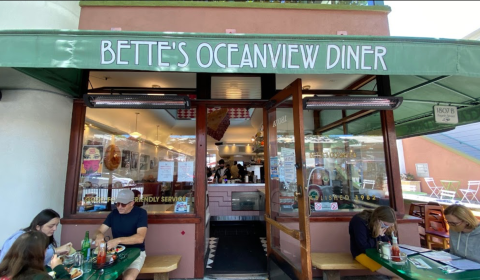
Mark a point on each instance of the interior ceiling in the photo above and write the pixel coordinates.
(240, 131)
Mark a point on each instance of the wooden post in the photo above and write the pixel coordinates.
(390, 149)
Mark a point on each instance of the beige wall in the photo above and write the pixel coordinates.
(244, 20)
(35, 121)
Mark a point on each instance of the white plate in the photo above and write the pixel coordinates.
(73, 269)
(120, 248)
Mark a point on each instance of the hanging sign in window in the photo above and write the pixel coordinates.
(274, 174)
(165, 171)
(185, 171)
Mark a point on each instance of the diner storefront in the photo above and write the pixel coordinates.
(318, 152)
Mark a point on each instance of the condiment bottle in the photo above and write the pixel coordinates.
(395, 249)
(102, 254)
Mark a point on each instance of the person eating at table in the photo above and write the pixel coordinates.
(129, 227)
(25, 259)
(464, 232)
(366, 229)
(46, 222)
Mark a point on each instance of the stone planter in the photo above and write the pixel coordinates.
(412, 186)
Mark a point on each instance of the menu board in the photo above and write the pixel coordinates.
(185, 171)
(165, 171)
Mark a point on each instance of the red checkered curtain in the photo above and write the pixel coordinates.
(217, 123)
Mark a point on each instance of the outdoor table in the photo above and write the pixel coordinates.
(114, 271)
(447, 185)
(410, 271)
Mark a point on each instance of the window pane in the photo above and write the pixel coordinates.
(346, 170)
(157, 166)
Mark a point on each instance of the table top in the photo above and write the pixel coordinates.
(410, 271)
(449, 181)
(113, 272)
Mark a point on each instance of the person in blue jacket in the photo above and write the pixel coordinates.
(46, 221)
(464, 232)
(366, 229)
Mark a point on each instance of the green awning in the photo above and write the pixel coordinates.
(238, 53)
(424, 71)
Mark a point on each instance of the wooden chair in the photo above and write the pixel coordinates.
(436, 227)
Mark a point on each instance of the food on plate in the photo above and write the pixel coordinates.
(111, 251)
(75, 272)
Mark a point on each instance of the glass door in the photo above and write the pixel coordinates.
(287, 213)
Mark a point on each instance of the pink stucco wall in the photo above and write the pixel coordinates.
(244, 20)
(162, 239)
(443, 164)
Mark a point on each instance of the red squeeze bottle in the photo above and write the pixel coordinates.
(395, 249)
(102, 254)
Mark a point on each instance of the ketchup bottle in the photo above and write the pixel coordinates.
(102, 254)
(395, 249)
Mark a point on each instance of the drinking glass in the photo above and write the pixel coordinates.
(87, 265)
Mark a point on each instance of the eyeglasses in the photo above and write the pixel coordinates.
(121, 204)
(454, 224)
(383, 225)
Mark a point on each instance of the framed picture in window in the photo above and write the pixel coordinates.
(126, 159)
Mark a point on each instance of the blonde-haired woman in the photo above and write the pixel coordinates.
(464, 232)
(366, 229)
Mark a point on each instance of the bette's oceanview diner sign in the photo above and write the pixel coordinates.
(247, 55)
(237, 53)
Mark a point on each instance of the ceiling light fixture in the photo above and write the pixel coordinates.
(137, 101)
(156, 142)
(351, 102)
(136, 134)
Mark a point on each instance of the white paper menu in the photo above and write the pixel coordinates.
(185, 171)
(165, 171)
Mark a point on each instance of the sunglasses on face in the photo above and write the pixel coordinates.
(121, 204)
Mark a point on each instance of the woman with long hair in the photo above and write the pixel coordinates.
(46, 222)
(464, 232)
(24, 259)
(366, 229)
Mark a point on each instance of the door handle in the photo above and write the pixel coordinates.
(299, 191)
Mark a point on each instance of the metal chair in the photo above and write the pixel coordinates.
(431, 184)
(472, 189)
(447, 194)
(368, 182)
